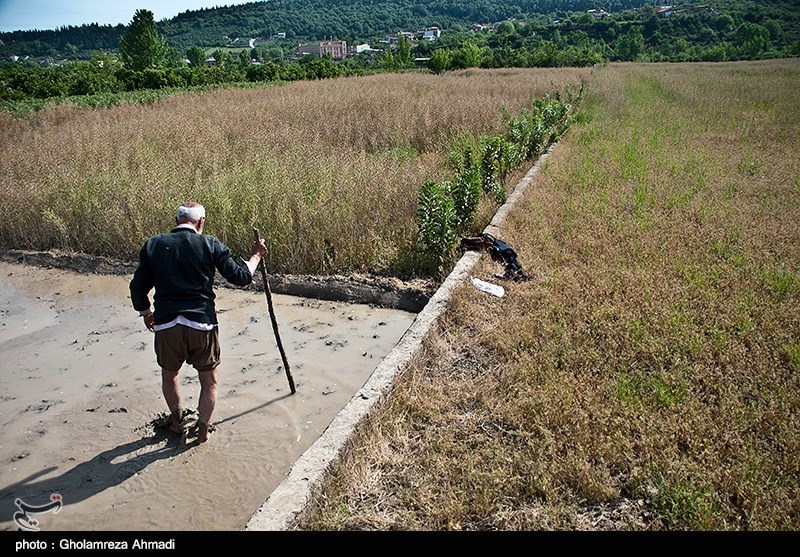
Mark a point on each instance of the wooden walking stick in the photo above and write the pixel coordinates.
(272, 316)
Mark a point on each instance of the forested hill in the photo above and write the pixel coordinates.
(299, 19)
(358, 20)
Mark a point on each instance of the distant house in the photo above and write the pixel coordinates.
(694, 10)
(664, 11)
(394, 37)
(15, 58)
(335, 49)
(279, 36)
(239, 41)
(477, 27)
(431, 34)
(362, 48)
(597, 14)
(211, 61)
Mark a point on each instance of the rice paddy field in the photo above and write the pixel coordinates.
(646, 377)
(328, 171)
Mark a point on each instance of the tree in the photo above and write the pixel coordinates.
(244, 59)
(142, 47)
(469, 55)
(320, 68)
(751, 39)
(439, 61)
(506, 28)
(221, 58)
(651, 25)
(774, 28)
(580, 39)
(267, 71)
(505, 35)
(724, 23)
(436, 223)
(389, 62)
(629, 46)
(196, 56)
(717, 53)
(646, 12)
(403, 51)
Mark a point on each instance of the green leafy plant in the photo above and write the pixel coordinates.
(482, 165)
(436, 218)
(465, 192)
(495, 165)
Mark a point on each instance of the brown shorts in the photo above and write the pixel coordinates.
(180, 344)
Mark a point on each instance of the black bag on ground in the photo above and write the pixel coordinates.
(500, 252)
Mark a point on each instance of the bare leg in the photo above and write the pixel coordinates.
(208, 400)
(171, 390)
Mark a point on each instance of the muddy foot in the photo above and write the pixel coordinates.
(169, 422)
(202, 432)
(177, 422)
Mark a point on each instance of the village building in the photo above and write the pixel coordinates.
(598, 14)
(392, 38)
(363, 48)
(431, 34)
(335, 49)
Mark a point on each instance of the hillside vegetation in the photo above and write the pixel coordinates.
(648, 376)
(362, 20)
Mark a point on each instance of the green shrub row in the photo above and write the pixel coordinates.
(481, 165)
(30, 82)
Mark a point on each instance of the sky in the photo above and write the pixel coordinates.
(18, 15)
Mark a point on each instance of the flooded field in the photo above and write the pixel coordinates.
(81, 391)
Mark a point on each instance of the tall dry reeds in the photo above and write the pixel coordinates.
(328, 170)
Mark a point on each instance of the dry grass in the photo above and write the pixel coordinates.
(329, 170)
(649, 376)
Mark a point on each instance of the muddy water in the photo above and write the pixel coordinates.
(79, 390)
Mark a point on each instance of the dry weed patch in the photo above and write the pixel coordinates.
(647, 378)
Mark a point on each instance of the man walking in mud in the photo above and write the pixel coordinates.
(181, 265)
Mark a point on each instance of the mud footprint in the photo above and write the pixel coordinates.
(43, 406)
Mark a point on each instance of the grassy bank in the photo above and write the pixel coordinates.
(329, 170)
(648, 377)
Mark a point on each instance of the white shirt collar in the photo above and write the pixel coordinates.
(187, 225)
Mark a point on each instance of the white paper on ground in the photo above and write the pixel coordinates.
(488, 287)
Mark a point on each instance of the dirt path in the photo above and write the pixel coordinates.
(80, 389)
